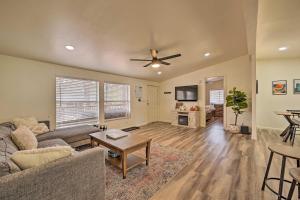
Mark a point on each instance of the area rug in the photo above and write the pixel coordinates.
(142, 181)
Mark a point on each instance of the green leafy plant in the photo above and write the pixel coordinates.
(237, 100)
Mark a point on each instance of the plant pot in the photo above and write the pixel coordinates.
(233, 128)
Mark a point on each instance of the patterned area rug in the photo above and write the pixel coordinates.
(142, 181)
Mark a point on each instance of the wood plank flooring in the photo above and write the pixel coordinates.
(225, 166)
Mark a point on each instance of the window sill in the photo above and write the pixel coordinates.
(115, 119)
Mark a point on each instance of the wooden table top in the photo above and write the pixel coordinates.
(287, 113)
(122, 144)
(286, 150)
(283, 113)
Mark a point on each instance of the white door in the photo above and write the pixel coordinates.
(152, 103)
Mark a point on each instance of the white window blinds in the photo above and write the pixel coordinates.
(216, 96)
(77, 102)
(116, 100)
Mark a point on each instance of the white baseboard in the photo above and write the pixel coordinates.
(260, 129)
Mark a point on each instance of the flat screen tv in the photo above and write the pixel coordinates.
(186, 93)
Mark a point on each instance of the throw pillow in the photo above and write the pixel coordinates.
(36, 157)
(40, 128)
(7, 148)
(29, 122)
(8, 167)
(32, 124)
(24, 138)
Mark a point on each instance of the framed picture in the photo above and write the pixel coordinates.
(296, 86)
(279, 87)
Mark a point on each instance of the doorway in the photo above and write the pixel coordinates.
(214, 102)
(152, 103)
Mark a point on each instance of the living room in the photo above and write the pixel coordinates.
(101, 100)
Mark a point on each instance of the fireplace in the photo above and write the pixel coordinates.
(186, 118)
(183, 120)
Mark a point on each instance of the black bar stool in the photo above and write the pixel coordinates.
(286, 152)
(290, 131)
(295, 174)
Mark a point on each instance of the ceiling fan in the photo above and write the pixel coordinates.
(155, 61)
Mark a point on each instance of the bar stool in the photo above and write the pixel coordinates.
(295, 174)
(286, 152)
(290, 131)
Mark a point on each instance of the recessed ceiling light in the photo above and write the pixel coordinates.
(70, 47)
(282, 48)
(159, 73)
(155, 65)
(207, 54)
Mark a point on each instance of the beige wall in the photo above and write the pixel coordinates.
(212, 85)
(236, 72)
(27, 88)
(266, 72)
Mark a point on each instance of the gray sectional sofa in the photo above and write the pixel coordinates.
(74, 136)
(80, 176)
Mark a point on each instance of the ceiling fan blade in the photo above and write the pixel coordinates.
(153, 53)
(169, 57)
(140, 60)
(148, 64)
(164, 63)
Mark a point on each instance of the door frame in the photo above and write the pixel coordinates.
(225, 95)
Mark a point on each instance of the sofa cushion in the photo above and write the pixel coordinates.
(70, 135)
(36, 157)
(7, 166)
(7, 148)
(24, 138)
(9, 125)
(5, 134)
(52, 143)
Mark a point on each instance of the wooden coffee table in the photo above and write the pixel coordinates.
(125, 147)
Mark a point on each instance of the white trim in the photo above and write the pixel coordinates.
(258, 128)
(115, 119)
(130, 101)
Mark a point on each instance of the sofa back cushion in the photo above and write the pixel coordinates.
(7, 148)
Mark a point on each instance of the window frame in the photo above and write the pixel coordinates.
(130, 105)
(98, 98)
(210, 97)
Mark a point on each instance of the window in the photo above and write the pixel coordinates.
(116, 100)
(216, 96)
(77, 102)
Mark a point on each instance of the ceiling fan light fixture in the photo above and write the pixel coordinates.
(207, 54)
(155, 62)
(155, 65)
(284, 48)
(69, 47)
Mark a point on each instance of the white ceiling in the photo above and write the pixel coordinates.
(107, 33)
(278, 25)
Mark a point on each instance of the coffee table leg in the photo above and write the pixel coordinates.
(124, 164)
(148, 153)
(92, 143)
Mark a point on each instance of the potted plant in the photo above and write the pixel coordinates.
(237, 100)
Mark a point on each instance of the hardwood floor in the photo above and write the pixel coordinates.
(225, 166)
